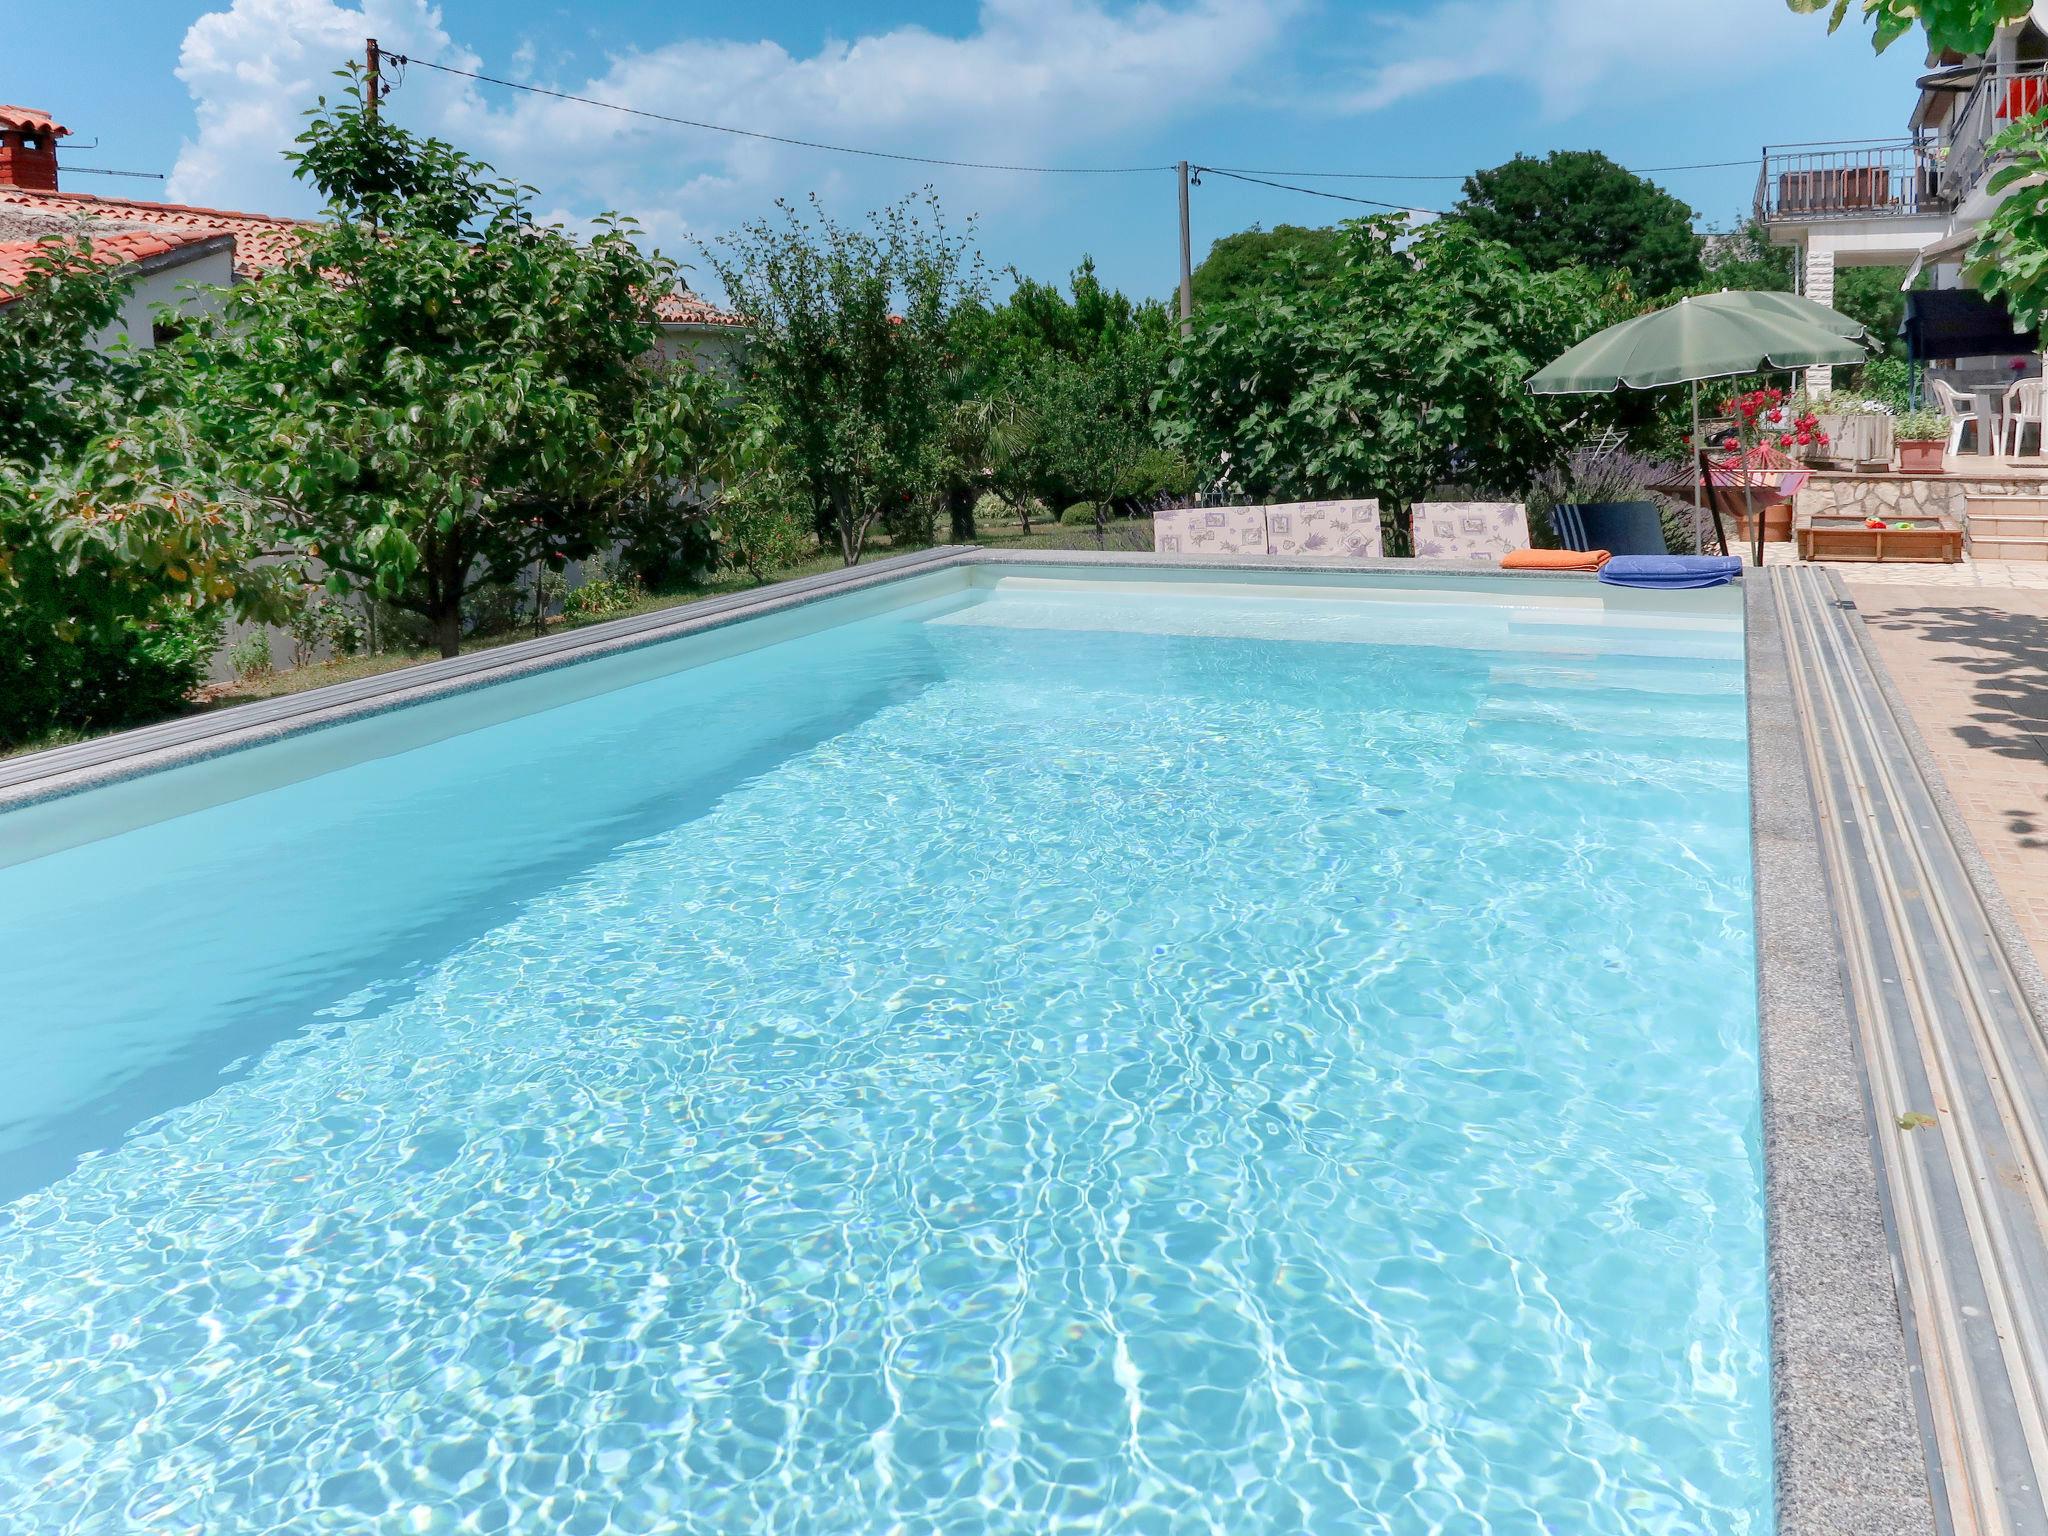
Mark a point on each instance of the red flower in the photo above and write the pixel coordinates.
(1821, 438)
(1729, 441)
(1785, 440)
(1805, 437)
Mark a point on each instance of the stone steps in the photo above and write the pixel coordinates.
(2007, 527)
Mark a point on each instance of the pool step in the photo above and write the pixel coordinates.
(1956, 1075)
(2006, 527)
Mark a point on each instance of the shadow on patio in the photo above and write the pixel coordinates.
(1978, 673)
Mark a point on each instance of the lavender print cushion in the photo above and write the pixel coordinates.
(1469, 530)
(1324, 530)
(1210, 531)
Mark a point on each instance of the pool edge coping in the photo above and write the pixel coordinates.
(1850, 1453)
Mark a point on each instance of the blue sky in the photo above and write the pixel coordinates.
(210, 94)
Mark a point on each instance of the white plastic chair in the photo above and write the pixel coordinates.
(1961, 411)
(2026, 404)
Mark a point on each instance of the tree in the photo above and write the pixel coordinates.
(440, 392)
(2010, 259)
(108, 614)
(1081, 432)
(849, 351)
(1280, 258)
(1963, 26)
(1401, 368)
(1578, 206)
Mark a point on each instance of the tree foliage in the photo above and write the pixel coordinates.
(1964, 26)
(108, 614)
(1279, 259)
(1401, 369)
(1081, 432)
(1577, 207)
(439, 393)
(849, 352)
(2010, 259)
(1053, 396)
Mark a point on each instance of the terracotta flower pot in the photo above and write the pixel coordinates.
(1922, 458)
(1777, 523)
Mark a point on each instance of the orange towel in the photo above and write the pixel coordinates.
(1554, 559)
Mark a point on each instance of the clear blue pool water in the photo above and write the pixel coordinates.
(1031, 1062)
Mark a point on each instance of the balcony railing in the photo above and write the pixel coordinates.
(1800, 184)
(1993, 105)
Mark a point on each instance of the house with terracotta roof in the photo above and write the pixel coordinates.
(169, 238)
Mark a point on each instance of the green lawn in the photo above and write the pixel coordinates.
(1133, 533)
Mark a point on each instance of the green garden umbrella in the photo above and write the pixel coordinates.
(1713, 336)
(1709, 336)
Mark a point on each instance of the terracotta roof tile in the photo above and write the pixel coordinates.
(262, 241)
(32, 120)
(122, 249)
(685, 308)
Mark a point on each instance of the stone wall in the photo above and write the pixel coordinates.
(1903, 496)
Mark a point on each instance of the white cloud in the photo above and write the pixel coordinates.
(1565, 52)
(1034, 81)
(253, 70)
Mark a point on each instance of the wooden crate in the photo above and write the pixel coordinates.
(1839, 536)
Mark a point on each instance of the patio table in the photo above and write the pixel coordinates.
(1988, 406)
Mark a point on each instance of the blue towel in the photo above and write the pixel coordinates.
(1671, 570)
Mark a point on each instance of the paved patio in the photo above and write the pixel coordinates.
(1967, 647)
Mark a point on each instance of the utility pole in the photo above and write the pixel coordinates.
(373, 70)
(1187, 280)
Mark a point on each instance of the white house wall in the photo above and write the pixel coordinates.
(180, 284)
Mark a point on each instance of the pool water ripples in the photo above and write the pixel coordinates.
(1123, 1080)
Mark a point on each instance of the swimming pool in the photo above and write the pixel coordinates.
(1015, 1053)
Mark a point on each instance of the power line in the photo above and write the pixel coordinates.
(1640, 170)
(1340, 197)
(776, 138)
(1237, 172)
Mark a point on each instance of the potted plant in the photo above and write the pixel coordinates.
(1749, 482)
(1600, 499)
(1850, 429)
(1923, 441)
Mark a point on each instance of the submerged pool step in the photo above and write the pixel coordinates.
(1957, 1077)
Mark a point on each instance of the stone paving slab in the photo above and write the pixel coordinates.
(1971, 666)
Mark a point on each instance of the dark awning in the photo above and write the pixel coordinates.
(1955, 322)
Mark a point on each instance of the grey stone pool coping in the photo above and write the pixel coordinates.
(1851, 1456)
(1849, 1453)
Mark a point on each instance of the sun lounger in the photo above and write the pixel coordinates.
(1210, 531)
(1469, 530)
(1324, 530)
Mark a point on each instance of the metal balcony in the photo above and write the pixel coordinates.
(1803, 184)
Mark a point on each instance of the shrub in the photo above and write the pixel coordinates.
(1080, 515)
(672, 548)
(1889, 379)
(910, 521)
(1162, 472)
(496, 608)
(602, 593)
(250, 655)
(129, 673)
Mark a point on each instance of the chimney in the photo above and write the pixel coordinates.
(28, 149)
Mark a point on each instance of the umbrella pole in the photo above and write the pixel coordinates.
(1756, 523)
(1699, 538)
